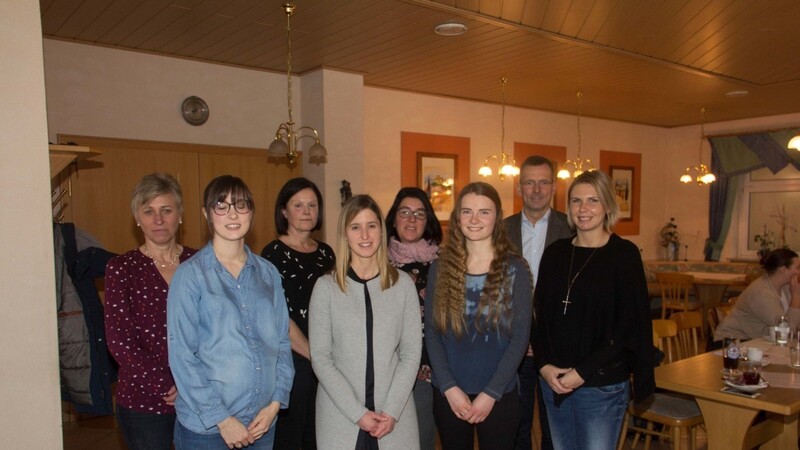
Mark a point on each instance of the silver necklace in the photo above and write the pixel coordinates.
(160, 264)
(566, 301)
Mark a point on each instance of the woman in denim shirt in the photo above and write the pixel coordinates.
(228, 328)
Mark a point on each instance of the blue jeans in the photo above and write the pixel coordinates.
(590, 418)
(146, 431)
(423, 400)
(186, 439)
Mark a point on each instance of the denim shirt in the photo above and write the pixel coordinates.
(228, 343)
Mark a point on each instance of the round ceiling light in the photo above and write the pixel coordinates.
(450, 29)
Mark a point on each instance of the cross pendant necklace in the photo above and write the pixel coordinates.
(566, 301)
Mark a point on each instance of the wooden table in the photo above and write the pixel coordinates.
(709, 287)
(729, 418)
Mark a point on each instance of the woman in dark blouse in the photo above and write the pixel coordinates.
(136, 286)
(300, 260)
(592, 324)
(414, 238)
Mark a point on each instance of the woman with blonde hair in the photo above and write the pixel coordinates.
(592, 322)
(136, 284)
(477, 326)
(365, 339)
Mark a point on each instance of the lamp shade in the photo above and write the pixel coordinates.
(317, 151)
(278, 148)
(795, 143)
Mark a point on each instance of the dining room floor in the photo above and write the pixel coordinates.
(102, 433)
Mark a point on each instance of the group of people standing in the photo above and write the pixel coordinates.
(216, 345)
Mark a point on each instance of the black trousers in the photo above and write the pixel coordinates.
(294, 428)
(497, 432)
(528, 393)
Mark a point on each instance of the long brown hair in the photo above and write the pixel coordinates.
(449, 303)
(350, 210)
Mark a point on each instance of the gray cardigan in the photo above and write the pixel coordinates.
(337, 337)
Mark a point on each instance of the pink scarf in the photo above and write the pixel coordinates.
(420, 251)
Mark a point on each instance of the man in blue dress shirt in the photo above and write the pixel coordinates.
(531, 230)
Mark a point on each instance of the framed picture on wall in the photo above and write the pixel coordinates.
(433, 157)
(436, 175)
(625, 170)
(622, 183)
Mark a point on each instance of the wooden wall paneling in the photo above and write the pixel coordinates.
(102, 187)
(556, 153)
(101, 194)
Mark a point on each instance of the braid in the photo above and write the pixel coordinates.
(450, 296)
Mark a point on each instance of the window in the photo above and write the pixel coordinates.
(769, 202)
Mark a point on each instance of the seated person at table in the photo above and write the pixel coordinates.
(774, 293)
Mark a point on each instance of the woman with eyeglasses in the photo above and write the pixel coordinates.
(300, 259)
(414, 238)
(228, 326)
(477, 322)
(136, 314)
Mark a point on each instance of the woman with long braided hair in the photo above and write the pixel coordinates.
(479, 293)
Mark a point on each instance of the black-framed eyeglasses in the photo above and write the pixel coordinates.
(541, 183)
(241, 207)
(406, 213)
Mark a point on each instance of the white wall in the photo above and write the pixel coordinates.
(30, 416)
(387, 112)
(100, 91)
(115, 93)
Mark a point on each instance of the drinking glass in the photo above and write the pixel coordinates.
(751, 372)
(782, 329)
(794, 356)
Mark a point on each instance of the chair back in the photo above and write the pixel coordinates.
(675, 289)
(665, 338)
(690, 332)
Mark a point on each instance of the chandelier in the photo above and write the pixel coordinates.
(508, 167)
(286, 137)
(703, 174)
(578, 163)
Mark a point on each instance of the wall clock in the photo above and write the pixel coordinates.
(194, 110)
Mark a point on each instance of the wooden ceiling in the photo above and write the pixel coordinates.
(645, 61)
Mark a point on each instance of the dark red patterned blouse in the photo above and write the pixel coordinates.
(136, 330)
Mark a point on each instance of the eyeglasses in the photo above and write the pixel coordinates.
(241, 207)
(541, 183)
(407, 213)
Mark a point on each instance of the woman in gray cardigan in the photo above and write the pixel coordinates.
(365, 340)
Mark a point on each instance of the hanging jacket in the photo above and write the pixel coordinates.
(87, 369)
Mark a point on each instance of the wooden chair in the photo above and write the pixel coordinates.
(675, 412)
(690, 332)
(665, 338)
(675, 290)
